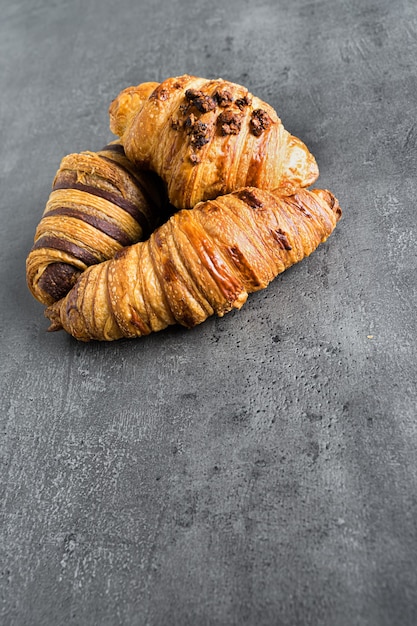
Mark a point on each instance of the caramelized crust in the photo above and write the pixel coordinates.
(200, 262)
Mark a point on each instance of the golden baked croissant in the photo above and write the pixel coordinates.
(200, 262)
(206, 138)
(98, 205)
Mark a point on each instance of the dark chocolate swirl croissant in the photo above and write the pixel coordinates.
(99, 203)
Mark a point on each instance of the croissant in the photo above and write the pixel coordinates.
(98, 205)
(207, 138)
(200, 262)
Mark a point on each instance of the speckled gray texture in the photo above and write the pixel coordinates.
(261, 468)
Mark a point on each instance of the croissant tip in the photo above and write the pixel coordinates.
(331, 200)
(54, 318)
(54, 327)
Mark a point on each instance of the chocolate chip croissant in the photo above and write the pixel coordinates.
(99, 203)
(200, 262)
(207, 138)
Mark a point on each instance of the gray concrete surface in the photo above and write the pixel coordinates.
(259, 469)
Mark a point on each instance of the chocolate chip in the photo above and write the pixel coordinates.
(229, 123)
(201, 101)
(243, 102)
(199, 135)
(198, 131)
(191, 94)
(260, 121)
(184, 108)
(189, 122)
(223, 98)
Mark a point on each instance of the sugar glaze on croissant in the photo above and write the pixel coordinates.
(207, 138)
(99, 203)
(200, 262)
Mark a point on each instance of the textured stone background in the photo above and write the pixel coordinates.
(259, 469)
